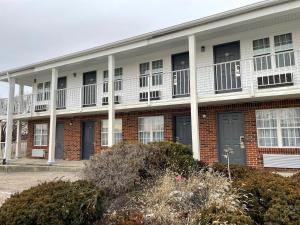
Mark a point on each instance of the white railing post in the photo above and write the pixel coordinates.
(111, 100)
(149, 89)
(194, 98)
(52, 133)
(9, 120)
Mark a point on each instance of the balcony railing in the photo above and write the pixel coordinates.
(246, 77)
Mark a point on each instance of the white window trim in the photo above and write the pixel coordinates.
(34, 135)
(151, 128)
(43, 91)
(279, 130)
(106, 132)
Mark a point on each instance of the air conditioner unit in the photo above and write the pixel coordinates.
(117, 100)
(154, 95)
(276, 80)
(40, 108)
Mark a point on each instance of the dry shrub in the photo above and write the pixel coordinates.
(125, 166)
(176, 200)
(117, 170)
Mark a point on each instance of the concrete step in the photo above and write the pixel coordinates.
(38, 168)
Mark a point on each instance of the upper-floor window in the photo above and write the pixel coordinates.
(278, 127)
(40, 134)
(284, 55)
(118, 80)
(262, 54)
(43, 91)
(117, 131)
(151, 129)
(153, 69)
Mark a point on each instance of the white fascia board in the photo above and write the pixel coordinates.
(222, 19)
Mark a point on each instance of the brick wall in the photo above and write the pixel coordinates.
(208, 130)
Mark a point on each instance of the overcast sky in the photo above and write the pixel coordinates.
(35, 30)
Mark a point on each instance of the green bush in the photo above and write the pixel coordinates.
(219, 216)
(59, 203)
(174, 156)
(236, 171)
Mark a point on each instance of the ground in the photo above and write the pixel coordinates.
(14, 182)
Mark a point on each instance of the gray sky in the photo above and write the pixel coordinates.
(35, 30)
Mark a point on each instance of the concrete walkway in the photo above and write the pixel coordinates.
(15, 182)
(41, 165)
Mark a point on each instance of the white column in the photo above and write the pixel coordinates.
(19, 125)
(52, 130)
(111, 100)
(9, 120)
(194, 98)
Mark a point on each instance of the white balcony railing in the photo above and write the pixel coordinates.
(246, 77)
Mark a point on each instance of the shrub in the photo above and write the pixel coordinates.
(59, 202)
(220, 216)
(175, 157)
(177, 200)
(117, 170)
(236, 171)
(125, 166)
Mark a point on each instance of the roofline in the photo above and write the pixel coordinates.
(153, 34)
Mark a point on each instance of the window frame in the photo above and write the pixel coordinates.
(104, 133)
(40, 134)
(43, 94)
(118, 86)
(279, 128)
(160, 119)
(156, 74)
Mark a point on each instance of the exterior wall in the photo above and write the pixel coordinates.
(208, 130)
(72, 138)
(205, 86)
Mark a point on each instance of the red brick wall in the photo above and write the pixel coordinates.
(208, 130)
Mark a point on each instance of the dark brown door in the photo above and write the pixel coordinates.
(59, 146)
(61, 93)
(227, 67)
(88, 139)
(89, 88)
(231, 137)
(183, 129)
(181, 75)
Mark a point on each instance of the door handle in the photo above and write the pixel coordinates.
(242, 142)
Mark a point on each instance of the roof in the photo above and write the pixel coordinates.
(157, 33)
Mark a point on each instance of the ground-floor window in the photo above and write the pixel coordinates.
(40, 134)
(278, 127)
(151, 129)
(117, 130)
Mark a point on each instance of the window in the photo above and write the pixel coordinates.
(118, 80)
(156, 73)
(262, 54)
(151, 129)
(43, 91)
(284, 50)
(40, 134)
(118, 132)
(278, 127)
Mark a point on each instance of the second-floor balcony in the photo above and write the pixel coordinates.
(261, 76)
